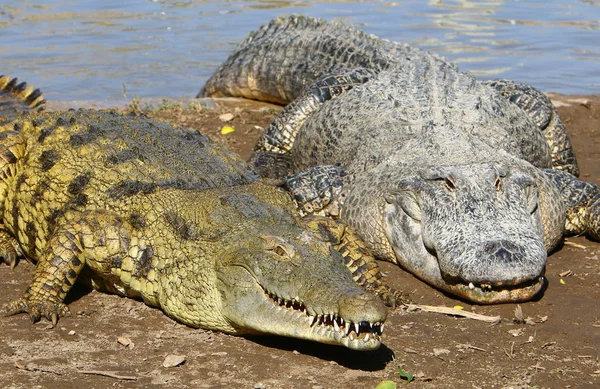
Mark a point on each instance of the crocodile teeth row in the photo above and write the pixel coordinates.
(481, 286)
(345, 327)
(339, 325)
(293, 304)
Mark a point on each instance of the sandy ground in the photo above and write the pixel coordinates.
(110, 341)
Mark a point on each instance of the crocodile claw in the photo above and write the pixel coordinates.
(37, 309)
(9, 255)
(391, 297)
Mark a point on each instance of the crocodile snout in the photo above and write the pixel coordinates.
(497, 263)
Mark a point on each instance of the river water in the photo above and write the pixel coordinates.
(105, 50)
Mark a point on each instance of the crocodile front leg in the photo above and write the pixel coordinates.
(539, 108)
(582, 200)
(88, 240)
(54, 275)
(280, 135)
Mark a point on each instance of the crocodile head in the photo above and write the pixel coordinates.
(293, 284)
(474, 231)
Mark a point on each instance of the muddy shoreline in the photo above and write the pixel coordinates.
(556, 348)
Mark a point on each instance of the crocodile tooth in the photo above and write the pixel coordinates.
(356, 328)
(367, 337)
(336, 326)
(347, 328)
(342, 321)
(314, 320)
(381, 328)
(471, 286)
(351, 337)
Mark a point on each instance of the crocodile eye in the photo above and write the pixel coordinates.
(278, 246)
(280, 251)
(498, 184)
(449, 181)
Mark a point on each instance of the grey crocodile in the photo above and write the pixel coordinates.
(150, 211)
(466, 184)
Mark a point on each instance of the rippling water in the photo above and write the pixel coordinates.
(96, 50)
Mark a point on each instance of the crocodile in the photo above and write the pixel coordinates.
(466, 184)
(143, 209)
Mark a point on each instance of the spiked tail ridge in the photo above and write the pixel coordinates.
(18, 97)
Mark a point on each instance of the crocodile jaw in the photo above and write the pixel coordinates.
(426, 267)
(353, 318)
(489, 294)
(270, 317)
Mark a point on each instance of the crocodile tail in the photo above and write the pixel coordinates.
(277, 61)
(18, 97)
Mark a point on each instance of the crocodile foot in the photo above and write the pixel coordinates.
(391, 297)
(317, 190)
(37, 309)
(582, 201)
(8, 250)
(8, 254)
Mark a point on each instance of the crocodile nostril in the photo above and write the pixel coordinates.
(503, 254)
(501, 250)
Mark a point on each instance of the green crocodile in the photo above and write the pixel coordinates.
(155, 212)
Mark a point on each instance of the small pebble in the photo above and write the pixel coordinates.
(440, 351)
(173, 360)
(226, 117)
(219, 354)
(123, 341)
(72, 332)
(517, 332)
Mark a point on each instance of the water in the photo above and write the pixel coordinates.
(91, 50)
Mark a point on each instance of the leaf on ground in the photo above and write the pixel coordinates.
(459, 307)
(386, 385)
(405, 376)
(519, 314)
(227, 130)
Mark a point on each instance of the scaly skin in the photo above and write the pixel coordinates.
(454, 179)
(162, 214)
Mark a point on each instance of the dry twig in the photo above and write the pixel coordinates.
(108, 374)
(576, 245)
(20, 366)
(473, 347)
(455, 312)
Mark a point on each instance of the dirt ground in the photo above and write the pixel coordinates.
(558, 347)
